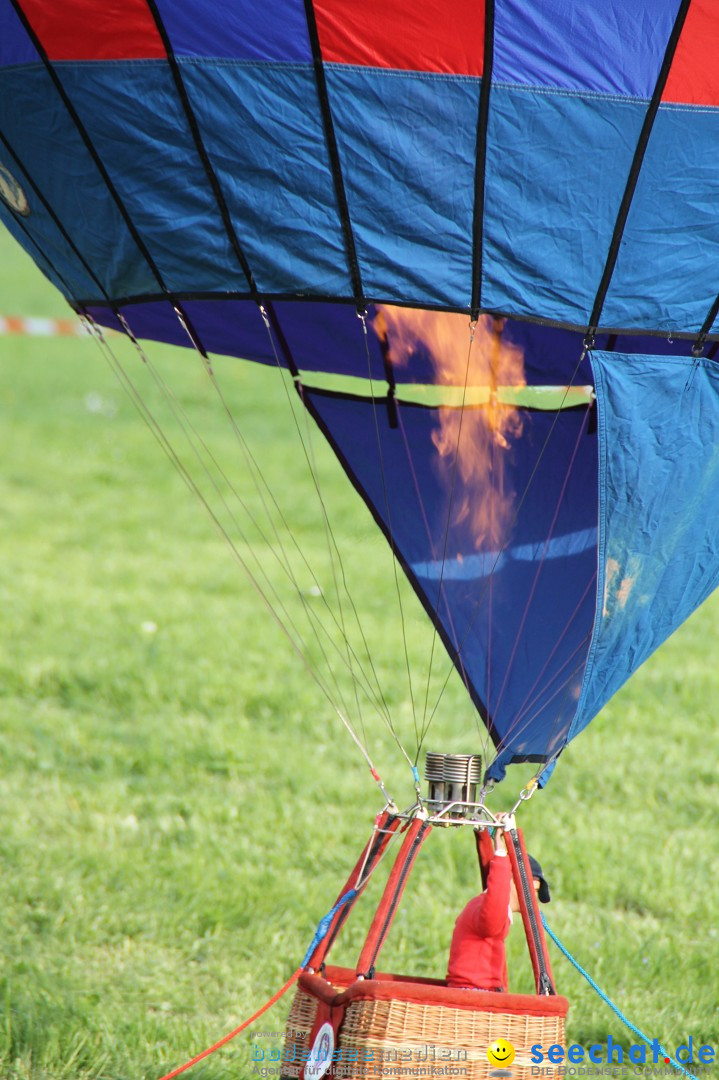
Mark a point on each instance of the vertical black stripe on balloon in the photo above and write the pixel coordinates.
(281, 339)
(391, 399)
(480, 165)
(216, 187)
(334, 157)
(54, 218)
(636, 166)
(706, 327)
(90, 147)
(194, 127)
(99, 164)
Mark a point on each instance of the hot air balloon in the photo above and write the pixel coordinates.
(480, 240)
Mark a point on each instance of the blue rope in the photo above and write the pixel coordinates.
(324, 925)
(632, 1027)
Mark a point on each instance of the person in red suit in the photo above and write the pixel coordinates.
(477, 955)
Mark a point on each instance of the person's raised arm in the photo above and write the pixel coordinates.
(492, 914)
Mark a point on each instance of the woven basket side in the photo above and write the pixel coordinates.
(401, 1035)
(297, 1033)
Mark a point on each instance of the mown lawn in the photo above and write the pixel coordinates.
(178, 803)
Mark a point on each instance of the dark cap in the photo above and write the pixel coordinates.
(543, 892)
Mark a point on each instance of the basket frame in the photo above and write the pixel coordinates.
(362, 1010)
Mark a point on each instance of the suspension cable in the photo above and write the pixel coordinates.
(388, 720)
(162, 439)
(363, 320)
(189, 430)
(285, 565)
(329, 531)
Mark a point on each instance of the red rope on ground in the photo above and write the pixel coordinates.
(231, 1035)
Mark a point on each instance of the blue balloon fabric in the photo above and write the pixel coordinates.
(314, 162)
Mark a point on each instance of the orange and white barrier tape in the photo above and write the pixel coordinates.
(31, 326)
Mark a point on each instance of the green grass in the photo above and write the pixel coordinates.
(179, 806)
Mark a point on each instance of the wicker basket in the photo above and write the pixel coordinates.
(301, 1019)
(392, 1026)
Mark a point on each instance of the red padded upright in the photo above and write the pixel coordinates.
(416, 834)
(385, 828)
(537, 959)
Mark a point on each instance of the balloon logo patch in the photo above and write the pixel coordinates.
(12, 193)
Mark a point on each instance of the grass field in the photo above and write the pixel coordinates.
(178, 804)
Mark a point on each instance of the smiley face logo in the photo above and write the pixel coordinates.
(500, 1053)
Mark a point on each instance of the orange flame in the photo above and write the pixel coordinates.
(477, 437)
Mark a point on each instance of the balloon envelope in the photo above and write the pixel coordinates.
(322, 159)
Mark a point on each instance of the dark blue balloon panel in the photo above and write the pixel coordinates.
(514, 612)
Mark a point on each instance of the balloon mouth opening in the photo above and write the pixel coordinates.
(452, 783)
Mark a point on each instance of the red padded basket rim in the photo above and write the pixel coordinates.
(427, 992)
